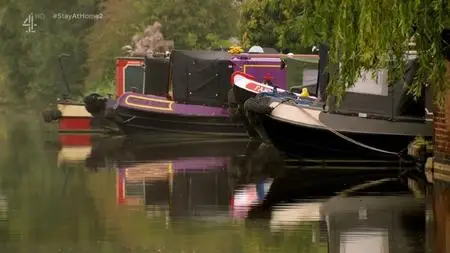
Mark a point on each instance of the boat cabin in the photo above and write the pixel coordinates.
(129, 75)
(261, 66)
(301, 72)
(373, 96)
(203, 77)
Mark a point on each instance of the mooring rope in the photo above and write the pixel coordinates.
(128, 120)
(346, 137)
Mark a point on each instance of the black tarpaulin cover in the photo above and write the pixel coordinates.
(200, 77)
(157, 76)
(323, 76)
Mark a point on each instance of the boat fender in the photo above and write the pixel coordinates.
(50, 115)
(112, 115)
(47, 116)
(235, 112)
(95, 104)
(258, 104)
(57, 114)
(232, 98)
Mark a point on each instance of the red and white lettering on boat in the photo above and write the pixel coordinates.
(257, 87)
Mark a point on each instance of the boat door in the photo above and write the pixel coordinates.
(130, 75)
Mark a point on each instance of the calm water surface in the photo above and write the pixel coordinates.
(92, 194)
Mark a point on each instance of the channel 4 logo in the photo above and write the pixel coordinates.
(30, 21)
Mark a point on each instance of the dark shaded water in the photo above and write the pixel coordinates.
(85, 194)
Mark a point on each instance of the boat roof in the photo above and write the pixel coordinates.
(259, 59)
(301, 58)
(210, 54)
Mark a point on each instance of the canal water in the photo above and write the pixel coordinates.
(83, 193)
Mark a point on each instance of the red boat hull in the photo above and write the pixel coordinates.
(74, 118)
(74, 124)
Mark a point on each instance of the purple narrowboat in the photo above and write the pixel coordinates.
(188, 93)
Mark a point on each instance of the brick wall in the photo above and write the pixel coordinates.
(442, 128)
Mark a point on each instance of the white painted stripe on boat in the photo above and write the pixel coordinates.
(73, 154)
(292, 113)
(242, 81)
(73, 110)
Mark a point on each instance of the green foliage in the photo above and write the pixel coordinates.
(272, 23)
(191, 24)
(29, 67)
(375, 34)
(199, 24)
(30, 59)
(121, 20)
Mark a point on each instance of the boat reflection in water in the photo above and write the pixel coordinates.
(74, 148)
(178, 188)
(320, 209)
(376, 214)
(176, 179)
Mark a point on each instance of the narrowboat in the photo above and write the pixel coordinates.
(375, 119)
(71, 116)
(160, 173)
(87, 116)
(187, 93)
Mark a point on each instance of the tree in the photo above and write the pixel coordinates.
(121, 20)
(196, 24)
(272, 23)
(375, 34)
(192, 24)
(30, 59)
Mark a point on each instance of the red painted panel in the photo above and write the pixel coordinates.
(121, 63)
(75, 139)
(75, 123)
(121, 198)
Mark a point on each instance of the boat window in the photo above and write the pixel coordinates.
(302, 73)
(372, 82)
(134, 78)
